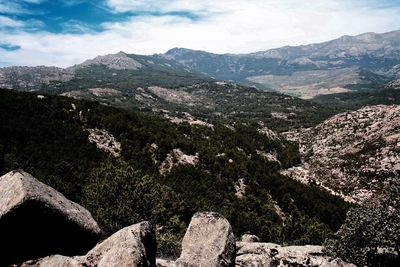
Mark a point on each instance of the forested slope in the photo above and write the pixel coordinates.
(166, 171)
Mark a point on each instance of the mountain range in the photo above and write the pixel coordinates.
(349, 63)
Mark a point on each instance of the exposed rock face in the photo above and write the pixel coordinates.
(177, 157)
(351, 154)
(208, 242)
(119, 61)
(394, 84)
(133, 246)
(36, 220)
(30, 78)
(268, 255)
(105, 141)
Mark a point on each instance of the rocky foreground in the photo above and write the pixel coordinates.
(39, 227)
(354, 155)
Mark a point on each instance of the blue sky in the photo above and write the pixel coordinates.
(62, 33)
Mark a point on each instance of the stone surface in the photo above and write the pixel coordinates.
(249, 238)
(208, 242)
(36, 221)
(353, 155)
(132, 246)
(53, 261)
(118, 61)
(30, 78)
(268, 254)
(165, 263)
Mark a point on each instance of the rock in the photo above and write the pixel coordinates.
(345, 151)
(268, 254)
(249, 238)
(53, 261)
(37, 221)
(337, 263)
(132, 246)
(208, 242)
(165, 263)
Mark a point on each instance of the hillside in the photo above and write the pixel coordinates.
(356, 154)
(153, 83)
(141, 69)
(349, 63)
(127, 166)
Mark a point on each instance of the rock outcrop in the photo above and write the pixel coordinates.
(118, 61)
(36, 221)
(32, 78)
(353, 155)
(133, 246)
(208, 242)
(268, 255)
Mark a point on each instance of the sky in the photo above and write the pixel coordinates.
(64, 33)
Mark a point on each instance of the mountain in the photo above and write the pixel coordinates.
(166, 87)
(349, 63)
(141, 68)
(356, 154)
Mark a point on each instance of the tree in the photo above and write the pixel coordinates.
(370, 235)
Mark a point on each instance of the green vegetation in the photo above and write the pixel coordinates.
(370, 235)
(203, 97)
(356, 100)
(46, 138)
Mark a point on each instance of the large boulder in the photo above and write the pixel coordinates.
(268, 255)
(208, 242)
(36, 221)
(249, 238)
(133, 246)
(53, 261)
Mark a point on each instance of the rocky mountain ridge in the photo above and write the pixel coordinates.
(354, 154)
(34, 78)
(366, 61)
(119, 61)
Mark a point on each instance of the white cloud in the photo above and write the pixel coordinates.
(8, 22)
(16, 6)
(233, 26)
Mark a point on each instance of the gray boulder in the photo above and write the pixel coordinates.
(36, 221)
(268, 255)
(133, 246)
(53, 261)
(249, 238)
(208, 242)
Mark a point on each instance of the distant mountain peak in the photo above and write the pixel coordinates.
(177, 50)
(118, 61)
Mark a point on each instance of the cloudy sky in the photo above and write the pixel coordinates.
(65, 32)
